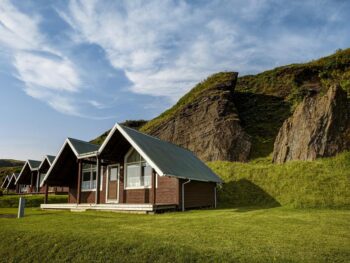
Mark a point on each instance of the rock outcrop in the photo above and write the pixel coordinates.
(208, 125)
(319, 127)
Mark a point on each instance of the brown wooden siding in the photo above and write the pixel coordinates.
(167, 191)
(89, 196)
(198, 194)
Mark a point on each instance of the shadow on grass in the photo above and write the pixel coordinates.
(245, 196)
(8, 215)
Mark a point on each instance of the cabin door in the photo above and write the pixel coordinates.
(112, 193)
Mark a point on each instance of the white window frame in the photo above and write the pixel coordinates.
(107, 181)
(138, 162)
(91, 179)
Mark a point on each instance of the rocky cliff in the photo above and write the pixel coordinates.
(208, 124)
(319, 127)
(220, 119)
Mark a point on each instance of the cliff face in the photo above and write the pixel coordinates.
(209, 124)
(319, 127)
(220, 119)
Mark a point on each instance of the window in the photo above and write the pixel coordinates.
(138, 171)
(113, 174)
(89, 178)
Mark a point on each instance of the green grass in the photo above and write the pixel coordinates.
(292, 81)
(224, 235)
(321, 183)
(31, 200)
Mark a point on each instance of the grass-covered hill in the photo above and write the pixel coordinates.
(9, 166)
(266, 99)
(323, 183)
(10, 163)
(291, 82)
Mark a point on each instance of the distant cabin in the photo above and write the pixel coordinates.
(33, 172)
(130, 171)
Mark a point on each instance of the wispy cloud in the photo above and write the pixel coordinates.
(47, 75)
(18, 30)
(165, 47)
(160, 48)
(52, 73)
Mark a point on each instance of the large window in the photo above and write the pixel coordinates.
(89, 178)
(138, 172)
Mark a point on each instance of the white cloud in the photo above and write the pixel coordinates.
(55, 74)
(165, 47)
(17, 30)
(46, 73)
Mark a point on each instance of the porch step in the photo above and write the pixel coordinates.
(133, 208)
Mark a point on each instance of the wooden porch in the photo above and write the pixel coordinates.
(131, 208)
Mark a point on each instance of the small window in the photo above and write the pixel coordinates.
(89, 178)
(133, 157)
(113, 174)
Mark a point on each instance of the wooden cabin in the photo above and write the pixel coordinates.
(11, 186)
(131, 171)
(28, 179)
(42, 170)
(5, 181)
(31, 175)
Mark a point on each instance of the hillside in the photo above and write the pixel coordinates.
(260, 103)
(10, 163)
(9, 166)
(323, 183)
(135, 124)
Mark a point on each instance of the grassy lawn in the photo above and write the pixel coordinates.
(244, 235)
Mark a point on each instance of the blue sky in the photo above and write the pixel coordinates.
(74, 68)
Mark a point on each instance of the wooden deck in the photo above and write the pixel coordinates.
(136, 208)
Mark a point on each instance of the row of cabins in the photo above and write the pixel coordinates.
(29, 179)
(9, 181)
(130, 171)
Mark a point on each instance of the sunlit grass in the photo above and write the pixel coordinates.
(246, 235)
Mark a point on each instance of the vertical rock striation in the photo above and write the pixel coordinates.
(209, 125)
(319, 127)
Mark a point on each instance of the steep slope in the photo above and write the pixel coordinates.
(259, 104)
(206, 122)
(319, 127)
(324, 182)
(135, 124)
